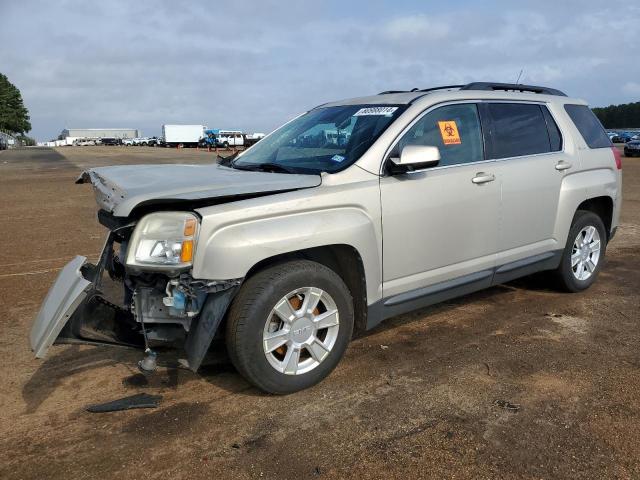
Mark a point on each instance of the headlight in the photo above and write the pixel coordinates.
(164, 240)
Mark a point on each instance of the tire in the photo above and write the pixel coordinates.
(569, 276)
(252, 319)
(225, 145)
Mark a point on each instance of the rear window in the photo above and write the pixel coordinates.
(589, 126)
(519, 129)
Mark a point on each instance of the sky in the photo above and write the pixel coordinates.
(252, 65)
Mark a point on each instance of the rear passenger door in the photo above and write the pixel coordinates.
(527, 145)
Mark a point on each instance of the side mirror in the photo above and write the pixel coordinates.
(416, 158)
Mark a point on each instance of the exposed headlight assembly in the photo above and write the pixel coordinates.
(164, 240)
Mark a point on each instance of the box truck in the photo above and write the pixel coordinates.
(185, 135)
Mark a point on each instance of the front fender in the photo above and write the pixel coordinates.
(231, 250)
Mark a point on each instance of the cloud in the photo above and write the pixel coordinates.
(254, 64)
(632, 88)
(416, 28)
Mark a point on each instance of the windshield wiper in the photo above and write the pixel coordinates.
(264, 167)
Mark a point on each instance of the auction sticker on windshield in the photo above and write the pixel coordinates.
(375, 111)
(449, 132)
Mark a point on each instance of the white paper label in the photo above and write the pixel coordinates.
(337, 158)
(375, 111)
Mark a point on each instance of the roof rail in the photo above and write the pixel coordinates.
(517, 87)
(444, 87)
(490, 86)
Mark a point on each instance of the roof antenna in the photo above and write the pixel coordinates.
(519, 75)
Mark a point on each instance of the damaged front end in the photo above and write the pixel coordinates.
(122, 301)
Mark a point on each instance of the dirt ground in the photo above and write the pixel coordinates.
(415, 398)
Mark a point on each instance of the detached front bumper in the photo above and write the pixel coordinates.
(67, 293)
(76, 311)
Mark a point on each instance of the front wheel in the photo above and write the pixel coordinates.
(584, 252)
(289, 326)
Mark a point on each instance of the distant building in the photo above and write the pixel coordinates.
(100, 133)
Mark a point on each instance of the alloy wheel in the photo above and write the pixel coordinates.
(585, 253)
(301, 330)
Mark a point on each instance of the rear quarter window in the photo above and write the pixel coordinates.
(589, 126)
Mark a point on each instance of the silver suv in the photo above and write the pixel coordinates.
(354, 212)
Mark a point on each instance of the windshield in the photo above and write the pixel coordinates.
(322, 140)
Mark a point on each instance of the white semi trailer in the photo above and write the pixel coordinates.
(185, 135)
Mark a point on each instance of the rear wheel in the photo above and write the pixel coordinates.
(289, 326)
(584, 252)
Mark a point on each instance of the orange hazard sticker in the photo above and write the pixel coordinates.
(449, 132)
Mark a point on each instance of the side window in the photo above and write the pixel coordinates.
(589, 126)
(454, 129)
(555, 137)
(517, 129)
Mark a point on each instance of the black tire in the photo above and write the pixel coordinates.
(566, 278)
(225, 144)
(250, 310)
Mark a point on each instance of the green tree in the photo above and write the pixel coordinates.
(619, 116)
(14, 116)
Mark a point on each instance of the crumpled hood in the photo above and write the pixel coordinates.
(119, 189)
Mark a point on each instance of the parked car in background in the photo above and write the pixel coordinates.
(288, 249)
(632, 148)
(144, 141)
(621, 137)
(128, 142)
(110, 141)
(229, 138)
(83, 142)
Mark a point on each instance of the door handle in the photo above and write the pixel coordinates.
(562, 165)
(482, 177)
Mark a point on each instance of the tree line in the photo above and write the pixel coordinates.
(626, 115)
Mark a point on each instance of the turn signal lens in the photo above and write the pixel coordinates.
(186, 255)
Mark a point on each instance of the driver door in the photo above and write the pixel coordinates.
(440, 225)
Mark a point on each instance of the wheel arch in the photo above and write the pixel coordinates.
(601, 206)
(343, 259)
(593, 190)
